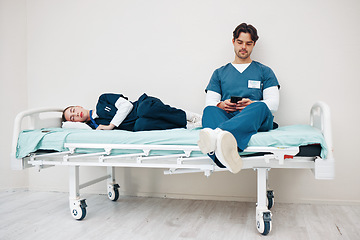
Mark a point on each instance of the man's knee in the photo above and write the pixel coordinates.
(210, 110)
(260, 106)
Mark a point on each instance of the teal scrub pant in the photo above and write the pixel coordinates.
(242, 125)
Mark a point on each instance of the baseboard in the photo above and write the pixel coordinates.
(189, 196)
(199, 197)
(238, 199)
(14, 189)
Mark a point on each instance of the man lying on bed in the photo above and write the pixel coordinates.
(228, 122)
(114, 111)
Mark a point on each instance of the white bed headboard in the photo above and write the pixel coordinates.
(33, 119)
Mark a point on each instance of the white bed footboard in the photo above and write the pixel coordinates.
(320, 118)
(32, 119)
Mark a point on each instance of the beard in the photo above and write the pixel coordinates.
(243, 55)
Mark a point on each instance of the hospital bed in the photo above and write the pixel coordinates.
(39, 141)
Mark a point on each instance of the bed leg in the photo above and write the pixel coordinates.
(77, 205)
(112, 186)
(74, 189)
(269, 192)
(263, 214)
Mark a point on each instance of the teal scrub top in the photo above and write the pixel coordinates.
(228, 81)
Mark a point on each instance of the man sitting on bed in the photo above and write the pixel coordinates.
(114, 111)
(229, 125)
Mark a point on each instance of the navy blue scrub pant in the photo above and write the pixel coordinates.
(153, 114)
(242, 125)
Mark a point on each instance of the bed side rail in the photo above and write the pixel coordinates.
(320, 118)
(36, 119)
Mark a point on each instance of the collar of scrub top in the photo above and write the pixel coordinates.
(92, 120)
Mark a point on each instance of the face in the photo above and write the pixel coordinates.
(243, 46)
(76, 114)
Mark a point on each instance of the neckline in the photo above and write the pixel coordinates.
(234, 66)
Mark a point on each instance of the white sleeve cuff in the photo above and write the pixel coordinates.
(271, 98)
(212, 98)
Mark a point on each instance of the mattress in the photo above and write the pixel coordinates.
(53, 139)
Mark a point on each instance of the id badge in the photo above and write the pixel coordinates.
(254, 84)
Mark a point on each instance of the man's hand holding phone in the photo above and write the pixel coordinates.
(235, 99)
(234, 104)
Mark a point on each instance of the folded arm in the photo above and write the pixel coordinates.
(271, 98)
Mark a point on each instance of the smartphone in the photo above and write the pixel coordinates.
(235, 99)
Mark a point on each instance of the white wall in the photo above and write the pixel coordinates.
(13, 84)
(77, 50)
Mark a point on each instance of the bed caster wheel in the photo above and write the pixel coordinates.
(78, 209)
(270, 199)
(113, 192)
(263, 223)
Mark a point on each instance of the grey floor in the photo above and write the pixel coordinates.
(46, 215)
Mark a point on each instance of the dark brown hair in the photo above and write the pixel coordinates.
(63, 114)
(245, 28)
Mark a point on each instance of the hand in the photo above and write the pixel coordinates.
(227, 106)
(243, 103)
(106, 127)
(232, 107)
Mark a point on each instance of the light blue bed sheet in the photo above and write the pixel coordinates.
(54, 138)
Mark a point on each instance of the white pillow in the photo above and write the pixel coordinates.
(77, 125)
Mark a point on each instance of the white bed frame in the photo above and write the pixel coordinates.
(174, 163)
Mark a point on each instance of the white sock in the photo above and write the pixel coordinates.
(191, 116)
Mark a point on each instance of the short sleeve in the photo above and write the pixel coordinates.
(270, 79)
(214, 84)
